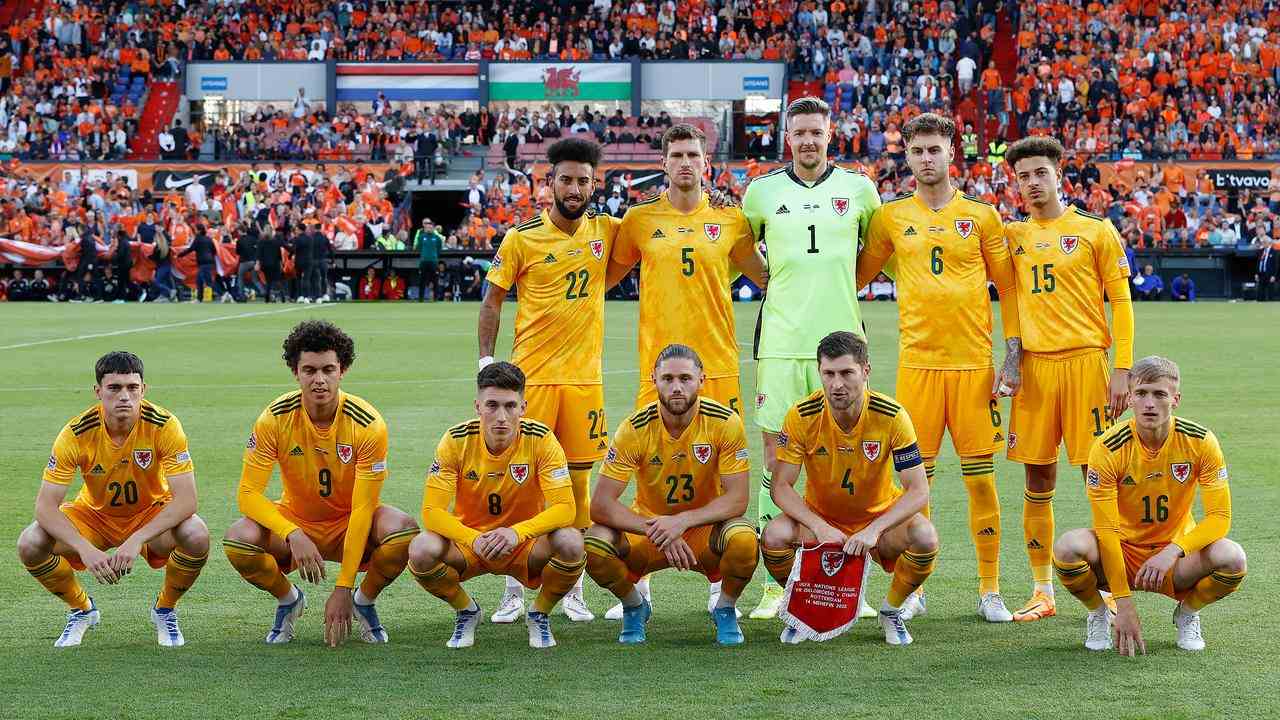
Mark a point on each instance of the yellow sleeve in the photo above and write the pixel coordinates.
(733, 447)
(557, 492)
(995, 251)
(1215, 496)
(259, 459)
(506, 261)
(441, 488)
(171, 445)
(1122, 324)
(876, 250)
(625, 250)
(371, 472)
(64, 459)
(744, 241)
(1101, 483)
(792, 441)
(623, 458)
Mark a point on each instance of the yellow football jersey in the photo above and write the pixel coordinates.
(318, 468)
(1061, 269)
(1149, 494)
(492, 491)
(559, 279)
(120, 481)
(944, 258)
(849, 476)
(677, 474)
(686, 265)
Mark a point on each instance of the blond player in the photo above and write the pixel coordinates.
(556, 262)
(332, 451)
(688, 457)
(138, 496)
(851, 441)
(1067, 265)
(947, 245)
(688, 252)
(1142, 481)
(513, 509)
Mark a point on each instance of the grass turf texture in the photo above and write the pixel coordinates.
(415, 364)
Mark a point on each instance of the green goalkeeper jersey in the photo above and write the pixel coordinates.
(811, 235)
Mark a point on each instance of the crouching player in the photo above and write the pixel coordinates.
(513, 509)
(332, 451)
(1142, 479)
(688, 456)
(138, 496)
(850, 441)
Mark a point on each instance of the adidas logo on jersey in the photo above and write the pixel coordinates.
(1128, 480)
(473, 475)
(655, 460)
(295, 452)
(657, 234)
(1019, 251)
(97, 470)
(782, 210)
(986, 531)
(822, 451)
(1034, 544)
(549, 259)
(602, 445)
(911, 230)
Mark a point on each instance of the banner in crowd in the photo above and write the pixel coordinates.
(564, 81)
(362, 82)
(175, 177)
(823, 591)
(143, 268)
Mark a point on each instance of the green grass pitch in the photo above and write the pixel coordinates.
(216, 366)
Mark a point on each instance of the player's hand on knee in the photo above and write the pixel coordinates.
(861, 542)
(1128, 629)
(337, 616)
(664, 529)
(496, 543)
(306, 556)
(679, 555)
(99, 564)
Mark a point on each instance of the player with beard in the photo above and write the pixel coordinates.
(811, 216)
(688, 456)
(688, 249)
(558, 262)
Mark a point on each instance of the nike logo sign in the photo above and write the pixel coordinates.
(645, 179)
(171, 184)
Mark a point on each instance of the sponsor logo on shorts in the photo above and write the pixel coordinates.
(998, 438)
(142, 458)
(1181, 471)
(1013, 440)
(519, 473)
(871, 448)
(345, 453)
(1092, 478)
(701, 452)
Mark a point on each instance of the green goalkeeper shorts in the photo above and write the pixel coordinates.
(781, 383)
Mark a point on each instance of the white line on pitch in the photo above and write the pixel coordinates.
(148, 328)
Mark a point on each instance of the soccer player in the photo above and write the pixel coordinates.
(558, 262)
(688, 455)
(138, 496)
(513, 509)
(1067, 263)
(947, 244)
(811, 216)
(1142, 479)
(851, 440)
(332, 451)
(688, 250)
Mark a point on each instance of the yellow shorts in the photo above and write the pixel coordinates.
(1062, 398)
(724, 390)
(515, 564)
(328, 535)
(108, 531)
(958, 401)
(575, 413)
(1135, 556)
(643, 557)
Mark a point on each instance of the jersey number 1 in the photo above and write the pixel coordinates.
(813, 240)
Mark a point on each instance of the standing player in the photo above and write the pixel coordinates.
(332, 451)
(687, 250)
(1141, 481)
(947, 245)
(811, 216)
(138, 496)
(513, 512)
(557, 262)
(688, 455)
(1067, 264)
(845, 436)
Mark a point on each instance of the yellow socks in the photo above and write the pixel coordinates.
(558, 578)
(984, 519)
(1078, 577)
(58, 577)
(387, 561)
(739, 555)
(445, 583)
(606, 568)
(180, 573)
(909, 573)
(1213, 588)
(258, 567)
(1037, 530)
(778, 563)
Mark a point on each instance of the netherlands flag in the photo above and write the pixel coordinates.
(361, 82)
